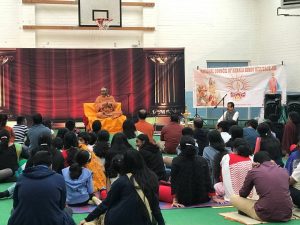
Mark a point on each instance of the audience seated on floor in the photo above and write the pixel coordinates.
(276, 127)
(190, 177)
(36, 130)
(70, 148)
(81, 156)
(130, 131)
(71, 126)
(96, 126)
(8, 157)
(272, 185)
(223, 128)
(250, 134)
(143, 126)
(267, 142)
(294, 158)
(119, 145)
(152, 156)
(99, 178)
(295, 186)
(200, 134)
(132, 198)
(234, 168)
(92, 140)
(291, 132)
(186, 131)
(79, 181)
(170, 135)
(102, 145)
(45, 145)
(215, 149)
(3, 122)
(236, 132)
(61, 132)
(48, 123)
(20, 130)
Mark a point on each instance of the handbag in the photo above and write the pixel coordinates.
(143, 198)
(99, 221)
(257, 145)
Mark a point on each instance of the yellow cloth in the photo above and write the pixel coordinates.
(99, 178)
(109, 124)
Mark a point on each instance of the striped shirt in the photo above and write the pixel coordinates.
(20, 133)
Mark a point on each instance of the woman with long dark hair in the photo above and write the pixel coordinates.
(267, 142)
(291, 132)
(190, 178)
(132, 199)
(102, 145)
(236, 132)
(214, 153)
(8, 156)
(119, 145)
(61, 132)
(152, 156)
(130, 131)
(70, 148)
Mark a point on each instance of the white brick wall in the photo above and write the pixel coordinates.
(207, 29)
(279, 40)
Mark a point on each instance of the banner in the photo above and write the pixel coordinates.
(245, 86)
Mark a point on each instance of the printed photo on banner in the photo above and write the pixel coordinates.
(245, 86)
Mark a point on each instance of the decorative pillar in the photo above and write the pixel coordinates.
(5, 61)
(167, 92)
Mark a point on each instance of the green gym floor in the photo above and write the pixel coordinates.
(196, 216)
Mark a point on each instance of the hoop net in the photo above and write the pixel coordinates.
(103, 23)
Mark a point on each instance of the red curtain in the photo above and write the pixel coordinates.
(56, 82)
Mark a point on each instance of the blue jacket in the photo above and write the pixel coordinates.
(293, 161)
(79, 190)
(39, 198)
(250, 136)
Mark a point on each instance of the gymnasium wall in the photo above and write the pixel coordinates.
(279, 40)
(228, 30)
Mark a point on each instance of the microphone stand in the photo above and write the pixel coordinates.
(223, 103)
(128, 96)
(196, 113)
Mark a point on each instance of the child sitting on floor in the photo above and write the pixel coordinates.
(99, 178)
(79, 181)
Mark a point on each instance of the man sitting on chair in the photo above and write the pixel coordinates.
(105, 106)
(230, 114)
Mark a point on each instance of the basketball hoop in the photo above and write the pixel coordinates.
(103, 23)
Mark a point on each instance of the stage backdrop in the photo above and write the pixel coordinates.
(56, 82)
(245, 86)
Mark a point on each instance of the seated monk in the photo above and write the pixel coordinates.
(105, 106)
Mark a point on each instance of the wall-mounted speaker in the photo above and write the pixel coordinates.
(293, 103)
(272, 105)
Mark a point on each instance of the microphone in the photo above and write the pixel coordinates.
(216, 106)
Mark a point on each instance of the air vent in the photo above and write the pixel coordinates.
(290, 4)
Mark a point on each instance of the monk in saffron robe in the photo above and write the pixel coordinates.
(273, 84)
(105, 106)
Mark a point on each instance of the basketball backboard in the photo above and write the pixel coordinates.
(90, 10)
